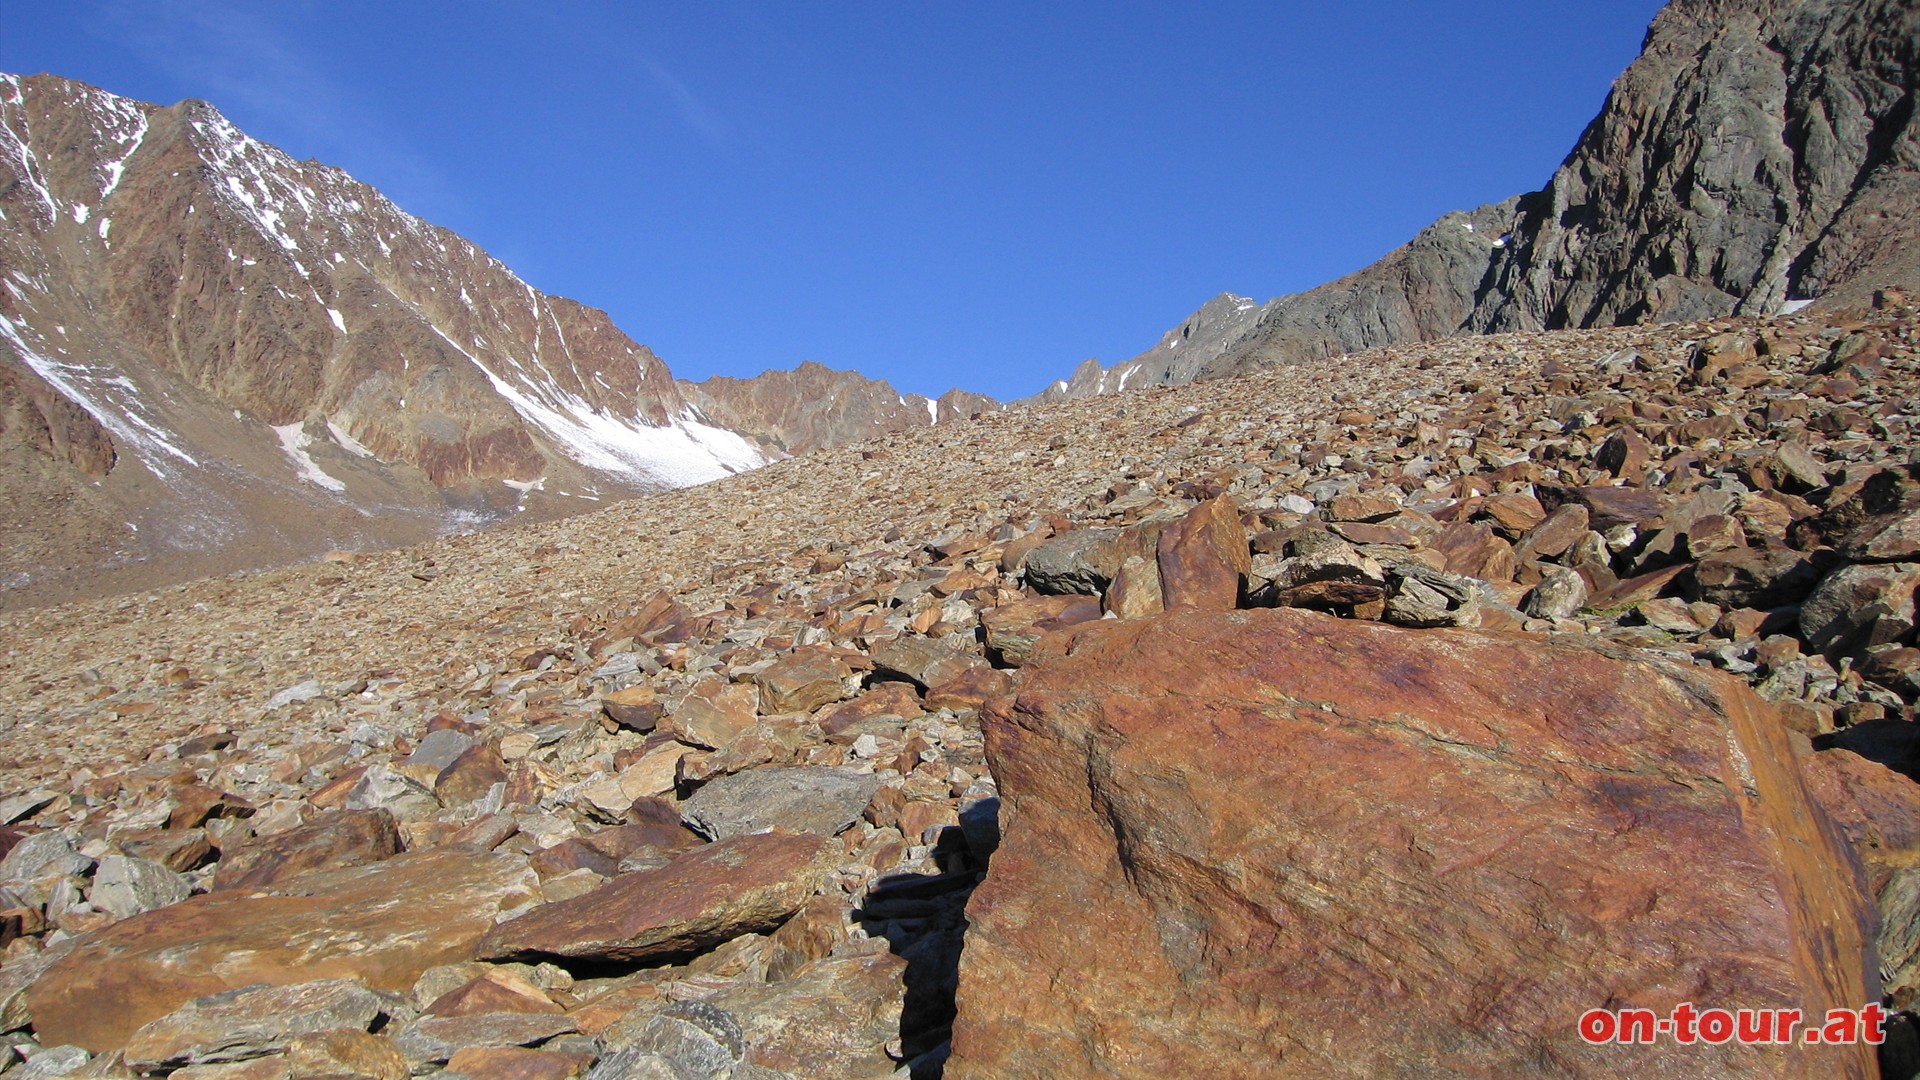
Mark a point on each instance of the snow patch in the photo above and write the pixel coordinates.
(933, 411)
(524, 486)
(295, 440)
(346, 441)
(81, 211)
(339, 322)
(110, 399)
(684, 452)
(1788, 307)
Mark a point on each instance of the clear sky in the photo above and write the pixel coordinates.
(979, 194)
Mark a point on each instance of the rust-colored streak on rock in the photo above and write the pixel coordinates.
(1260, 843)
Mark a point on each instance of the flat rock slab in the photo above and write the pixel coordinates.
(245, 1023)
(1275, 843)
(708, 896)
(331, 842)
(382, 924)
(811, 799)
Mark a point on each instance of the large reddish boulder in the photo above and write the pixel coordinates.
(382, 924)
(1275, 843)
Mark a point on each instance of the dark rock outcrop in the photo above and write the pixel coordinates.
(1758, 152)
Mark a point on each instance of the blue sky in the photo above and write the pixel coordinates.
(978, 194)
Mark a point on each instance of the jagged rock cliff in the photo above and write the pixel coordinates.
(1758, 153)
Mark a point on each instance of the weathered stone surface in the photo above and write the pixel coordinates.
(1560, 595)
(1301, 831)
(243, 1023)
(516, 1063)
(490, 992)
(437, 1038)
(382, 924)
(1874, 602)
(43, 855)
(344, 1053)
(713, 714)
(813, 799)
(124, 886)
(802, 681)
(744, 884)
(470, 776)
(1474, 551)
(332, 842)
(1081, 561)
(383, 787)
(1203, 558)
(834, 1017)
(923, 661)
(1012, 629)
(1136, 591)
(636, 707)
(1607, 507)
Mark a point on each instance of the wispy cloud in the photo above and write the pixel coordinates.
(702, 119)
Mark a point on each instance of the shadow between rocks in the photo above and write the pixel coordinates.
(923, 919)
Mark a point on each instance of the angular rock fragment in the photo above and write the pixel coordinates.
(745, 884)
(1012, 629)
(124, 885)
(1203, 558)
(331, 842)
(812, 799)
(250, 1021)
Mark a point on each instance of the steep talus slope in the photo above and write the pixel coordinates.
(1597, 587)
(815, 406)
(1758, 152)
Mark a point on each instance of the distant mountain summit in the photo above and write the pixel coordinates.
(814, 406)
(1759, 154)
(213, 355)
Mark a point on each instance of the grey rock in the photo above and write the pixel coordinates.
(1421, 597)
(1869, 604)
(439, 748)
(697, 1040)
(298, 692)
(251, 1021)
(124, 886)
(24, 806)
(811, 799)
(1560, 595)
(384, 788)
(1081, 561)
(54, 1061)
(437, 1038)
(43, 855)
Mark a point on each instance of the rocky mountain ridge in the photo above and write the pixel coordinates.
(1759, 154)
(213, 355)
(1611, 589)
